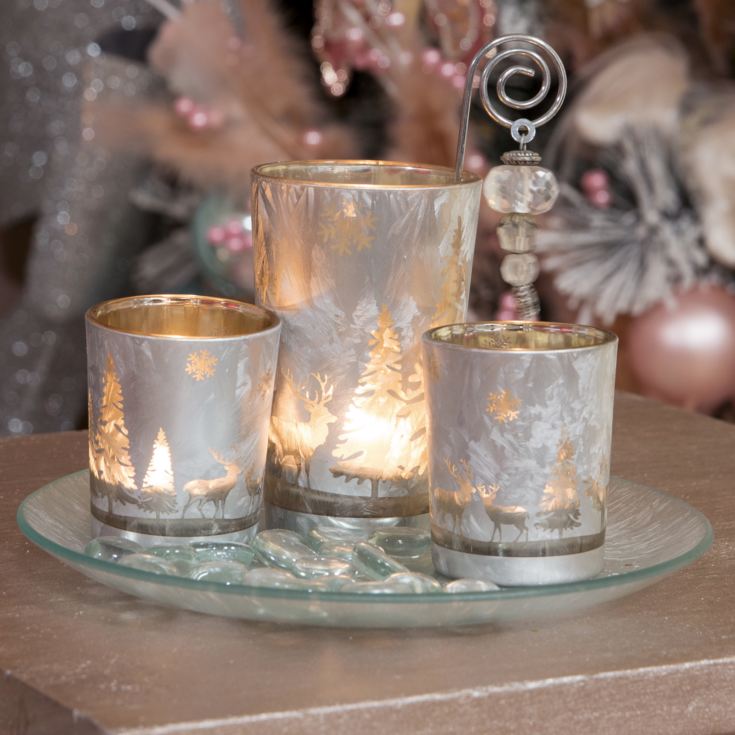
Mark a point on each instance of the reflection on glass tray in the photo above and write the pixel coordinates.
(650, 534)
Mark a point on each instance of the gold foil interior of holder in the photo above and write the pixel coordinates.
(189, 317)
(521, 336)
(362, 174)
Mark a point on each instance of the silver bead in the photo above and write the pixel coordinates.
(521, 189)
(518, 269)
(517, 233)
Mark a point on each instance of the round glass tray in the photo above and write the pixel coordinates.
(650, 534)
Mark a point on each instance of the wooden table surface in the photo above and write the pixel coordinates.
(81, 658)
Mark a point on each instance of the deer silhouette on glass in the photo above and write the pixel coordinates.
(299, 439)
(503, 515)
(453, 502)
(213, 491)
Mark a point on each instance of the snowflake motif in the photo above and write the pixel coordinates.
(503, 406)
(200, 365)
(347, 229)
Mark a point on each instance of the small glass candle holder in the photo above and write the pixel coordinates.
(358, 259)
(180, 392)
(520, 424)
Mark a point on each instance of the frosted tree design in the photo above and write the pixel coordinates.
(454, 280)
(379, 430)
(112, 447)
(347, 229)
(559, 505)
(158, 493)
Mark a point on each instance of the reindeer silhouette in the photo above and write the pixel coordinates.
(299, 439)
(453, 502)
(503, 515)
(213, 491)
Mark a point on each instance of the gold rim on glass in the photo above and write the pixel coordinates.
(182, 316)
(283, 172)
(518, 336)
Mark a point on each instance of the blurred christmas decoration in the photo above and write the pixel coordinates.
(683, 350)
(99, 94)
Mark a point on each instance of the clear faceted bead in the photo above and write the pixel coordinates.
(521, 189)
(517, 269)
(517, 233)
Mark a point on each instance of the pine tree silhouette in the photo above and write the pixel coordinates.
(115, 468)
(560, 502)
(158, 493)
(454, 279)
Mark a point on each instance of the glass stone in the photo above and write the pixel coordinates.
(330, 584)
(517, 233)
(280, 548)
(173, 553)
(415, 582)
(111, 548)
(337, 551)
(268, 577)
(320, 566)
(374, 563)
(226, 571)
(470, 585)
(221, 551)
(149, 563)
(521, 189)
(323, 535)
(401, 542)
(518, 269)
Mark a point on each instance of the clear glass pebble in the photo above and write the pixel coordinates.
(374, 563)
(402, 542)
(222, 570)
(280, 548)
(111, 548)
(521, 189)
(269, 577)
(337, 551)
(517, 233)
(149, 563)
(173, 553)
(320, 566)
(518, 269)
(414, 582)
(327, 535)
(470, 585)
(221, 551)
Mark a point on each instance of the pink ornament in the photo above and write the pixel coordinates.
(684, 353)
(595, 184)
(447, 70)
(234, 228)
(184, 106)
(431, 58)
(312, 137)
(507, 308)
(216, 235)
(395, 20)
(199, 119)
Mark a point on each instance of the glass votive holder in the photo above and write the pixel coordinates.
(180, 392)
(358, 259)
(520, 424)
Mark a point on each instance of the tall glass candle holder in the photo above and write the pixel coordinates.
(520, 423)
(358, 258)
(180, 391)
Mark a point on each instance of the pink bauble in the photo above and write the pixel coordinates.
(684, 352)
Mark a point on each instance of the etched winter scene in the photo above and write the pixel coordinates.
(525, 471)
(178, 433)
(356, 275)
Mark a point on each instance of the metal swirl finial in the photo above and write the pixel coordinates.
(522, 130)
